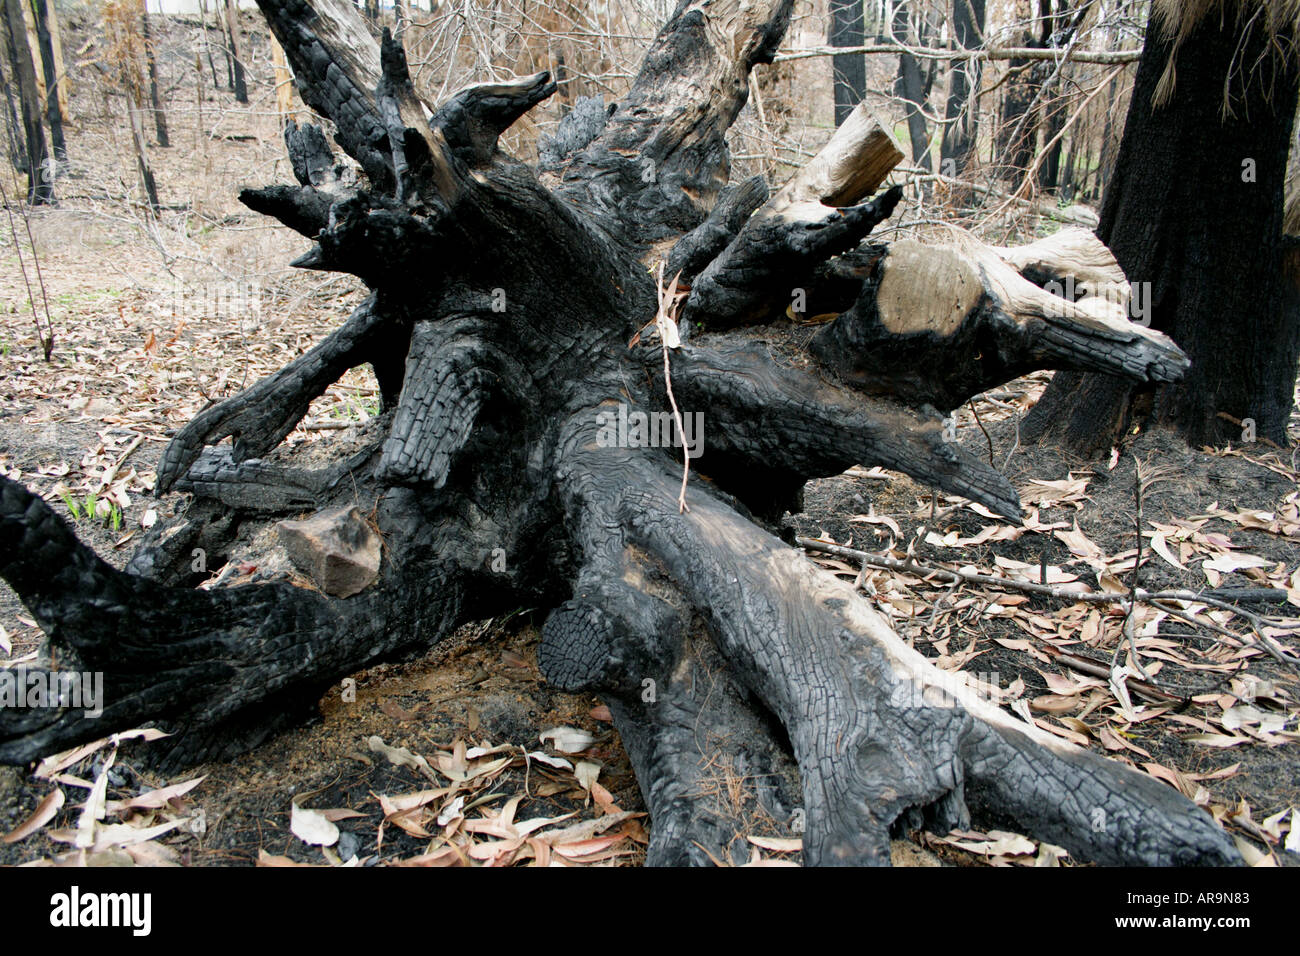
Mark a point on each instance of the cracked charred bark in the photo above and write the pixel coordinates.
(499, 326)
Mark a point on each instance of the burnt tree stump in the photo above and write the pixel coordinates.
(499, 327)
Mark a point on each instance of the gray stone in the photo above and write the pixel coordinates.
(336, 548)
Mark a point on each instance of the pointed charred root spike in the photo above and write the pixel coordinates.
(752, 280)
(1070, 797)
(222, 667)
(809, 219)
(394, 89)
(260, 417)
(474, 118)
(313, 259)
(1114, 350)
(378, 239)
(662, 156)
(303, 209)
(695, 250)
(392, 61)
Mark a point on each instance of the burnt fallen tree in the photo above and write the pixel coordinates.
(509, 322)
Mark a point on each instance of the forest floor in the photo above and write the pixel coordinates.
(156, 318)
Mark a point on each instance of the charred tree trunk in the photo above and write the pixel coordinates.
(1018, 128)
(36, 157)
(961, 131)
(47, 36)
(913, 87)
(849, 69)
(519, 379)
(1203, 247)
(135, 117)
(151, 62)
(235, 58)
(13, 125)
(203, 19)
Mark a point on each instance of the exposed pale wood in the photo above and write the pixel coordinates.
(283, 84)
(927, 288)
(34, 48)
(940, 322)
(1073, 253)
(850, 167)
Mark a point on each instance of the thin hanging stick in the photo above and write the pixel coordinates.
(670, 339)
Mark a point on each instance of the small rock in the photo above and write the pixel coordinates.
(348, 845)
(335, 548)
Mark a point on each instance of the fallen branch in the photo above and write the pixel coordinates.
(992, 53)
(1097, 669)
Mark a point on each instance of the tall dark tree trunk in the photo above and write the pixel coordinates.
(36, 156)
(1058, 31)
(13, 125)
(849, 69)
(151, 60)
(1018, 127)
(527, 455)
(1049, 172)
(49, 65)
(234, 51)
(913, 86)
(962, 112)
(207, 46)
(1193, 213)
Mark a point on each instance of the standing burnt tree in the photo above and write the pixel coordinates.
(961, 129)
(36, 160)
(510, 324)
(1194, 214)
(849, 70)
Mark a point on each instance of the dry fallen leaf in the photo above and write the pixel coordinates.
(1216, 740)
(567, 740)
(45, 812)
(154, 798)
(400, 756)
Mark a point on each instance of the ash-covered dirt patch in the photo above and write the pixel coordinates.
(479, 688)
